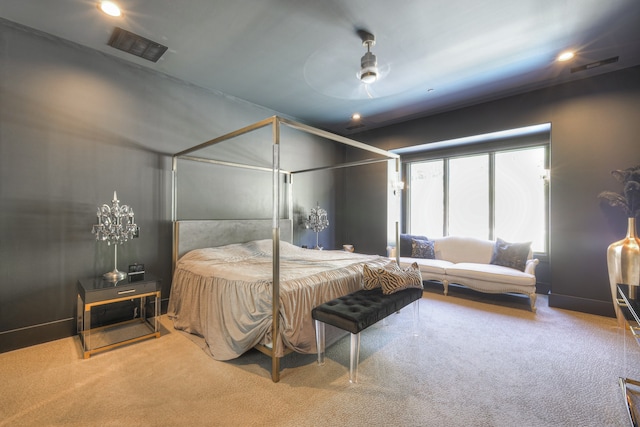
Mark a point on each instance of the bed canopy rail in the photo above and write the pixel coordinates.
(275, 169)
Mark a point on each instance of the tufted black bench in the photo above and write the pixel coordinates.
(356, 312)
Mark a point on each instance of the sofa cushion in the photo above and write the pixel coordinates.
(512, 255)
(426, 265)
(464, 249)
(489, 273)
(405, 243)
(422, 249)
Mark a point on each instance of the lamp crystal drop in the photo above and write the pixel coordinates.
(116, 223)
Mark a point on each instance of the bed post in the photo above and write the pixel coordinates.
(398, 242)
(399, 213)
(174, 211)
(275, 360)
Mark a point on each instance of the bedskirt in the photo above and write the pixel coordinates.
(224, 294)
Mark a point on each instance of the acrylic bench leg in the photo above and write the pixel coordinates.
(416, 317)
(353, 358)
(320, 341)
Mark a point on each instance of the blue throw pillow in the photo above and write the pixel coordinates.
(406, 245)
(513, 255)
(422, 249)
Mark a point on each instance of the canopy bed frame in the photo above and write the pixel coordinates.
(191, 234)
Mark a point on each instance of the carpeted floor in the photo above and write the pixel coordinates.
(480, 360)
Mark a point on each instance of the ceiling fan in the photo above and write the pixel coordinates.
(342, 78)
(368, 63)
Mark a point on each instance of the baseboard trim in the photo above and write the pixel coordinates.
(584, 305)
(36, 334)
(543, 288)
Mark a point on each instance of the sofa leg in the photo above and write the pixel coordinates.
(445, 283)
(532, 301)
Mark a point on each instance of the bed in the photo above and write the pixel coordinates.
(224, 294)
(240, 283)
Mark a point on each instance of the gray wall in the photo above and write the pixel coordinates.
(75, 125)
(594, 129)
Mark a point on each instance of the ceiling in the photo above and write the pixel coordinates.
(301, 57)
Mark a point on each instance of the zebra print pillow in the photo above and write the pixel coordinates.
(393, 279)
(373, 277)
(398, 280)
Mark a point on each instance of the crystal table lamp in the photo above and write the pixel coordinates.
(317, 221)
(116, 225)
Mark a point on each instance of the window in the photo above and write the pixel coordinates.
(427, 198)
(520, 197)
(484, 195)
(469, 196)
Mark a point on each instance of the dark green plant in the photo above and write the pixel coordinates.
(629, 199)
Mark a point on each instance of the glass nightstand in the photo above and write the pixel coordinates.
(95, 292)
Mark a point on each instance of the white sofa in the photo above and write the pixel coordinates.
(467, 261)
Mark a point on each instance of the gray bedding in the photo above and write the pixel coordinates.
(224, 294)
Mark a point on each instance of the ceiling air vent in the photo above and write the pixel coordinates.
(136, 45)
(595, 64)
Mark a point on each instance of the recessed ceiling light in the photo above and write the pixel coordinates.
(355, 116)
(110, 8)
(565, 56)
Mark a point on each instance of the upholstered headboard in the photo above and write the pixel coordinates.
(197, 234)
